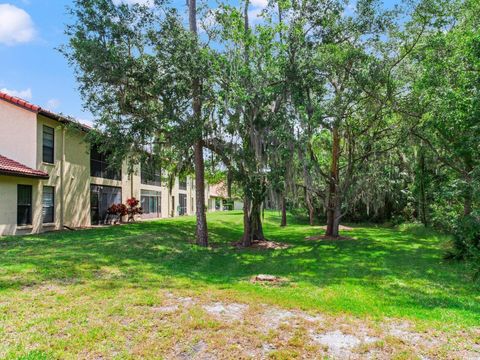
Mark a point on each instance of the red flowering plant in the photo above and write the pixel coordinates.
(117, 210)
(133, 208)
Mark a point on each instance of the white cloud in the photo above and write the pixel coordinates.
(23, 94)
(52, 104)
(16, 25)
(254, 15)
(256, 11)
(148, 3)
(259, 3)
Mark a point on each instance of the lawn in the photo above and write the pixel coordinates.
(144, 290)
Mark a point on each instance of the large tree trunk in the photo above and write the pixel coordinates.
(252, 221)
(202, 231)
(334, 204)
(284, 211)
(311, 212)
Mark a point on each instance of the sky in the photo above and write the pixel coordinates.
(31, 67)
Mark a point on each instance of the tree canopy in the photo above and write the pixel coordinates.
(338, 110)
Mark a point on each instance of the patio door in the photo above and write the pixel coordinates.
(101, 198)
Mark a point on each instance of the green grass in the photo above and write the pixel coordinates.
(384, 272)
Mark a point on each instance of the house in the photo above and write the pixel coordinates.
(219, 199)
(50, 178)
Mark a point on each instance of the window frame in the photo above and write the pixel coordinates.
(28, 206)
(52, 220)
(149, 199)
(182, 183)
(99, 166)
(150, 173)
(46, 147)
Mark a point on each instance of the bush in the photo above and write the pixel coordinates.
(133, 208)
(466, 242)
(117, 209)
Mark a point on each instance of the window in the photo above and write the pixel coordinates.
(24, 205)
(182, 207)
(182, 184)
(48, 203)
(150, 173)
(99, 166)
(101, 198)
(48, 144)
(151, 202)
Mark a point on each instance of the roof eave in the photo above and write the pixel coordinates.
(20, 174)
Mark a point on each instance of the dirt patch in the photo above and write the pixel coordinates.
(196, 351)
(165, 309)
(273, 317)
(340, 344)
(233, 311)
(328, 238)
(263, 244)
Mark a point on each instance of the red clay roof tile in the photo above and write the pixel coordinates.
(39, 110)
(12, 167)
(19, 102)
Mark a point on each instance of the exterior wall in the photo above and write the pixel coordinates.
(21, 139)
(8, 206)
(18, 138)
(69, 174)
(167, 206)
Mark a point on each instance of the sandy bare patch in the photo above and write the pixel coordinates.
(232, 311)
(165, 309)
(312, 318)
(403, 331)
(263, 244)
(196, 351)
(340, 344)
(272, 318)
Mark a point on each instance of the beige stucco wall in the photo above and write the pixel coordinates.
(21, 137)
(8, 206)
(69, 174)
(18, 138)
(167, 204)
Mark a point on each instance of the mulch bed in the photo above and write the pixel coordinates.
(263, 244)
(328, 238)
(331, 238)
(341, 227)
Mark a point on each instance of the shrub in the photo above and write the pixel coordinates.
(117, 209)
(466, 242)
(133, 208)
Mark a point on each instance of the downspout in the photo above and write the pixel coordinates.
(62, 182)
(131, 185)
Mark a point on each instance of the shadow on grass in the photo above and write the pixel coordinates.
(400, 269)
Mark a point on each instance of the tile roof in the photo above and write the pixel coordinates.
(19, 102)
(39, 110)
(12, 167)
